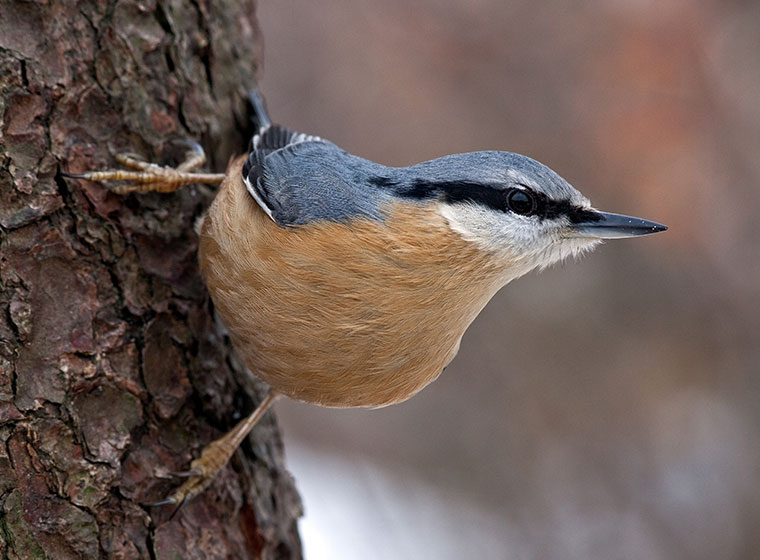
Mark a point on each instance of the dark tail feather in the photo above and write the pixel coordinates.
(260, 116)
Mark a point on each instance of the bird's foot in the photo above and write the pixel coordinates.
(214, 456)
(144, 176)
(202, 471)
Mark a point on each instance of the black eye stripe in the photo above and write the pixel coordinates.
(552, 209)
(474, 192)
(487, 195)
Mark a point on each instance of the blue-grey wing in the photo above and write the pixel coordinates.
(298, 179)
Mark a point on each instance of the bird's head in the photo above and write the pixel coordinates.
(516, 208)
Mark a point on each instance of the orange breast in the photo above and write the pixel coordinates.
(358, 314)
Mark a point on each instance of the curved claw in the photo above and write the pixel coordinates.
(167, 501)
(191, 488)
(194, 157)
(164, 502)
(74, 175)
(186, 474)
(130, 155)
(192, 144)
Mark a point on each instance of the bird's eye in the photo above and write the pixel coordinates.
(521, 202)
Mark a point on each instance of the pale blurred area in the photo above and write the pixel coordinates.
(603, 409)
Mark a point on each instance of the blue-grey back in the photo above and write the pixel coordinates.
(298, 179)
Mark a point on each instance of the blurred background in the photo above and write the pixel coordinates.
(607, 408)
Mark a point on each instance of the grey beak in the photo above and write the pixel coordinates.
(616, 226)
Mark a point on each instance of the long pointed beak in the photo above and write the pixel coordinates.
(606, 225)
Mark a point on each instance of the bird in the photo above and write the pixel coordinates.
(347, 283)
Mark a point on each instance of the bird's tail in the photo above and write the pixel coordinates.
(259, 116)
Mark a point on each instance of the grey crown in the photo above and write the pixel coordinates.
(298, 179)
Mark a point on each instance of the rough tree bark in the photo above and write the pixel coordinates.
(113, 372)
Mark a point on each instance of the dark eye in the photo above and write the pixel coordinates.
(521, 202)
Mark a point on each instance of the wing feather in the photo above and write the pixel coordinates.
(298, 178)
(269, 139)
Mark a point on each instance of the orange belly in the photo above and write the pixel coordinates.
(359, 314)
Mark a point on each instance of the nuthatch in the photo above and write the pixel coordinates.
(346, 283)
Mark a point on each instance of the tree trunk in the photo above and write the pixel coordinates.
(113, 372)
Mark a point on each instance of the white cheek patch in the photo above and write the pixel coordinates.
(448, 212)
(475, 225)
(517, 240)
(491, 230)
(492, 234)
